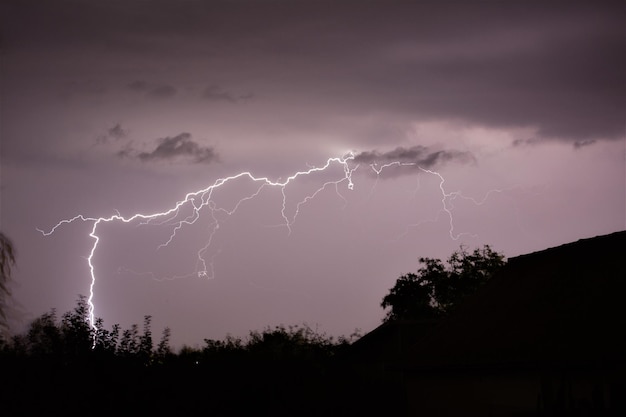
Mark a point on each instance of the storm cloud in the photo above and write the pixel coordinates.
(415, 157)
(557, 68)
(177, 148)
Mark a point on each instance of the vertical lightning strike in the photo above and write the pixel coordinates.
(201, 199)
(92, 272)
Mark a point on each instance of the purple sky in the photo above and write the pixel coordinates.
(127, 106)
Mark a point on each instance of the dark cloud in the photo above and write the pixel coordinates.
(526, 142)
(178, 148)
(559, 71)
(582, 143)
(415, 157)
(535, 141)
(117, 132)
(559, 67)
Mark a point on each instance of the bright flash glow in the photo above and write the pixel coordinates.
(203, 199)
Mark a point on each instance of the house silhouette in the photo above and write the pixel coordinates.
(545, 336)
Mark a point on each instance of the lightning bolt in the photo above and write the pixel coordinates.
(202, 199)
(447, 198)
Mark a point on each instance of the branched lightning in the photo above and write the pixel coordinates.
(447, 198)
(200, 200)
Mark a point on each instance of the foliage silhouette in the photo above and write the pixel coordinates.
(68, 366)
(163, 348)
(77, 334)
(281, 370)
(7, 262)
(437, 288)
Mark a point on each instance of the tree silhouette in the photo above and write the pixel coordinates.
(7, 261)
(437, 288)
(163, 348)
(63, 365)
(77, 333)
(144, 349)
(44, 337)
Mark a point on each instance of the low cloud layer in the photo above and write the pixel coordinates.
(179, 148)
(415, 157)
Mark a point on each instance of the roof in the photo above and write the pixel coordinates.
(558, 307)
(390, 340)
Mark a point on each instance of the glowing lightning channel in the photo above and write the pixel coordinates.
(201, 199)
(447, 198)
(198, 200)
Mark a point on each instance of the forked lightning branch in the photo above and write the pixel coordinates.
(200, 201)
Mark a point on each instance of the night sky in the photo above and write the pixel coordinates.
(125, 107)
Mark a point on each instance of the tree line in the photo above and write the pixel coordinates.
(72, 338)
(67, 365)
(432, 292)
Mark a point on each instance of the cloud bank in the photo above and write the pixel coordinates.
(415, 157)
(179, 148)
